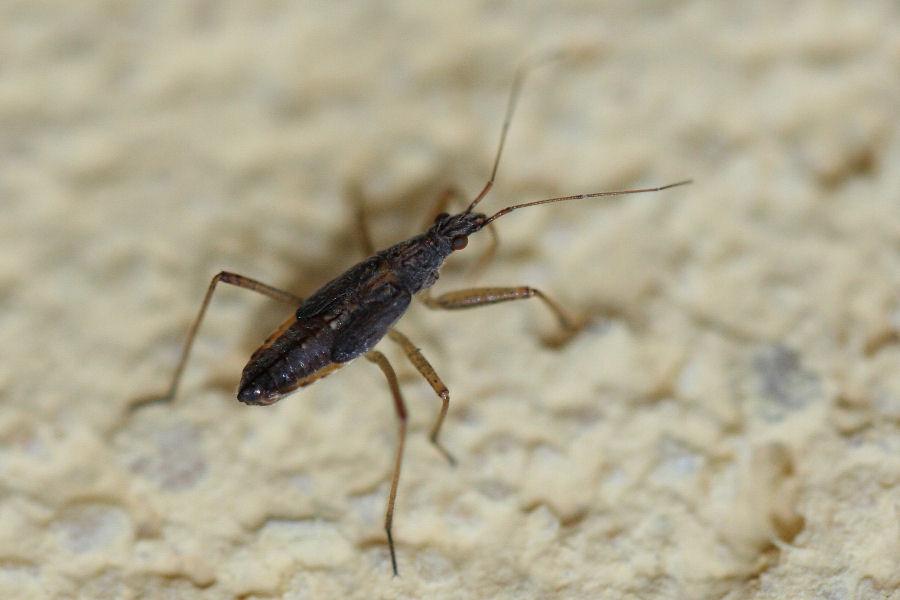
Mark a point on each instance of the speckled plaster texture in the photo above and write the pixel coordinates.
(727, 425)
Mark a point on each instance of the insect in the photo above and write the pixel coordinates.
(349, 315)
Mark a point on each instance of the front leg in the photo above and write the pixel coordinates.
(475, 297)
(447, 196)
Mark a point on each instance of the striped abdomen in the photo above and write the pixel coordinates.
(295, 355)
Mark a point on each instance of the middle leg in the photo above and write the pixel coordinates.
(427, 371)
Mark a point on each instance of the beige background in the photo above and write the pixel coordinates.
(726, 427)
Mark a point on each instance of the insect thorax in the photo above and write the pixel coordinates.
(416, 261)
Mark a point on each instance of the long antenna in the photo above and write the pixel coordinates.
(509, 209)
(521, 72)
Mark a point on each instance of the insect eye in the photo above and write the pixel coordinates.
(459, 242)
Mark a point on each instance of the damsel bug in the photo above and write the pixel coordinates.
(349, 315)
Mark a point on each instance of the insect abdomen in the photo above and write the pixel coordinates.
(295, 355)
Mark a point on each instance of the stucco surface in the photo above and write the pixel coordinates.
(726, 425)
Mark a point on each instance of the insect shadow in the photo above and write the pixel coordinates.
(350, 314)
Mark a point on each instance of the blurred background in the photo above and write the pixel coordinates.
(725, 424)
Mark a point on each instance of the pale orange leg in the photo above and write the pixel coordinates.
(224, 277)
(427, 371)
(474, 297)
(379, 359)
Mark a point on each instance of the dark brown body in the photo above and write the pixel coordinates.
(351, 313)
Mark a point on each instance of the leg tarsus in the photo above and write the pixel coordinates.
(436, 428)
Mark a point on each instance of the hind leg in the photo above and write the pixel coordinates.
(379, 359)
(224, 277)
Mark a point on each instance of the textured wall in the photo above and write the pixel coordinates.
(726, 425)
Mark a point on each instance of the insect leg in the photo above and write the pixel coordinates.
(362, 223)
(379, 359)
(449, 194)
(489, 252)
(427, 371)
(471, 298)
(224, 277)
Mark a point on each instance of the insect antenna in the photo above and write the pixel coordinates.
(509, 209)
(519, 78)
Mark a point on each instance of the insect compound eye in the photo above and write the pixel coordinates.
(459, 242)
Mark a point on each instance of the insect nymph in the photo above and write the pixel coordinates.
(349, 315)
